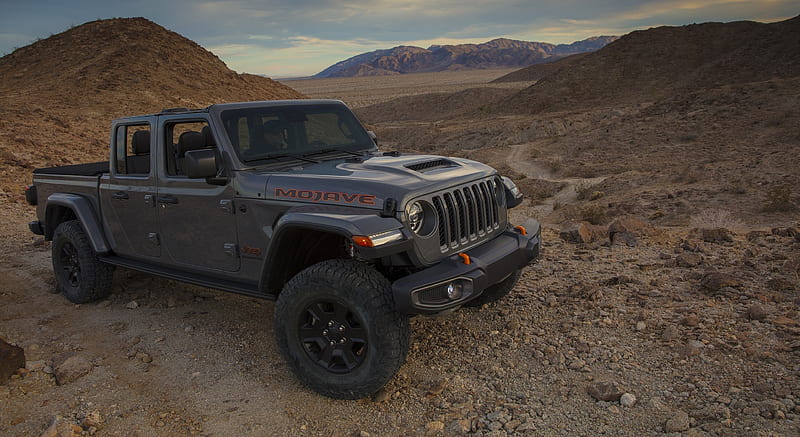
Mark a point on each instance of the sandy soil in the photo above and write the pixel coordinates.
(700, 329)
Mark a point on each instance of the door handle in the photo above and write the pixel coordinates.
(167, 199)
(120, 195)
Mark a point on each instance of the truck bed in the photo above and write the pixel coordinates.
(90, 169)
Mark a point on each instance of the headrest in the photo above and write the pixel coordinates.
(140, 143)
(272, 126)
(208, 137)
(191, 140)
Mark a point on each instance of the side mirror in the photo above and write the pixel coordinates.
(373, 136)
(201, 164)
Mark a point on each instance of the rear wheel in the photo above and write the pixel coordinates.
(496, 291)
(79, 273)
(337, 327)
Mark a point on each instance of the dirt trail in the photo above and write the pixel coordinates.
(519, 161)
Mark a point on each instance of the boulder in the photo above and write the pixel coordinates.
(583, 233)
(604, 391)
(70, 368)
(714, 281)
(11, 358)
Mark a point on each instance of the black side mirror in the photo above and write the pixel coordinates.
(201, 164)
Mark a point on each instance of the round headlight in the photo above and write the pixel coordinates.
(415, 215)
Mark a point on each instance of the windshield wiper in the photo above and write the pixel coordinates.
(332, 149)
(298, 157)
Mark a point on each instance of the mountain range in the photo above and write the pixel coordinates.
(497, 53)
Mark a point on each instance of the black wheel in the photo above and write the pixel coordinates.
(496, 291)
(336, 326)
(79, 273)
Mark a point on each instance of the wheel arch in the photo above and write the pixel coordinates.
(62, 207)
(308, 235)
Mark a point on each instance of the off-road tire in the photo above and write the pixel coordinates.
(79, 273)
(496, 291)
(337, 328)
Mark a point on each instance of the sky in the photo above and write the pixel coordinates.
(293, 38)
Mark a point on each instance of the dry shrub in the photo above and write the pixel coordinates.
(779, 199)
(715, 218)
(555, 164)
(583, 190)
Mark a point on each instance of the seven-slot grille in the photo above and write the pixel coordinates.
(467, 213)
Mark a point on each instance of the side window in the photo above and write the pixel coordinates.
(132, 150)
(182, 137)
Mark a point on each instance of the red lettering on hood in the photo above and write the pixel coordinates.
(325, 196)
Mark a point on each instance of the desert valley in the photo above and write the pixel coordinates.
(664, 168)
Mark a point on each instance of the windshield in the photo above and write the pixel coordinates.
(266, 132)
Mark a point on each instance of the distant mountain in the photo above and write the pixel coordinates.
(497, 53)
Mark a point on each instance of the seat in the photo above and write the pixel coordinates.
(208, 137)
(139, 162)
(190, 140)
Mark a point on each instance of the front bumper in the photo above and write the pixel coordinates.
(425, 292)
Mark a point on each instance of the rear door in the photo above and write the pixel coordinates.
(197, 222)
(127, 194)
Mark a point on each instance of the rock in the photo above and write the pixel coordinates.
(132, 305)
(60, 427)
(690, 349)
(641, 325)
(756, 312)
(461, 426)
(688, 259)
(35, 366)
(627, 400)
(93, 419)
(630, 225)
(718, 413)
(714, 281)
(679, 422)
(604, 391)
(381, 395)
(670, 333)
(691, 320)
(712, 235)
(11, 358)
(583, 233)
(70, 368)
(434, 426)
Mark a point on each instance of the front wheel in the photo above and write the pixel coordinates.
(337, 327)
(79, 273)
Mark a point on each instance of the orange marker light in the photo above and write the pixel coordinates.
(465, 257)
(521, 230)
(362, 241)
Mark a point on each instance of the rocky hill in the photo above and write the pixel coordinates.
(537, 71)
(498, 53)
(650, 64)
(58, 95)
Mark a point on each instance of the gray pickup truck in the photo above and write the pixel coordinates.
(290, 201)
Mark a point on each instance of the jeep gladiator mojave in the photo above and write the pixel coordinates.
(290, 201)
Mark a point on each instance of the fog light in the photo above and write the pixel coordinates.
(454, 291)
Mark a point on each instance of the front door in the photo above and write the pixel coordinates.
(197, 221)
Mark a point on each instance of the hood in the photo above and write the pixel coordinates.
(369, 182)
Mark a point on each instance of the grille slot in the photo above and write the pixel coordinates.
(467, 213)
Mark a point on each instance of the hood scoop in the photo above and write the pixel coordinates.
(426, 166)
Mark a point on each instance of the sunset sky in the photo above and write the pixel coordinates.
(283, 38)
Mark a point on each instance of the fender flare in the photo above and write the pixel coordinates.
(85, 213)
(345, 222)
